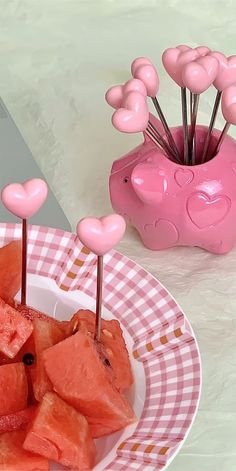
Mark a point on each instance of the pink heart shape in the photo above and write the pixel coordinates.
(198, 75)
(183, 176)
(101, 235)
(139, 61)
(25, 199)
(227, 71)
(202, 50)
(162, 234)
(174, 59)
(133, 116)
(205, 211)
(148, 74)
(115, 95)
(228, 104)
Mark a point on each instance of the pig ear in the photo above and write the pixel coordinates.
(149, 182)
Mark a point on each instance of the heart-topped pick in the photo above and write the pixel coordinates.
(174, 59)
(137, 62)
(115, 95)
(133, 115)
(198, 75)
(25, 199)
(147, 73)
(229, 104)
(226, 75)
(101, 235)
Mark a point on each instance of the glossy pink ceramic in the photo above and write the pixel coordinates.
(25, 199)
(101, 235)
(171, 204)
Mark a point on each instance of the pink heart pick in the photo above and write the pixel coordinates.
(202, 50)
(25, 199)
(101, 235)
(229, 104)
(115, 95)
(139, 61)
(174, 59)
(200, 74)
(227, 71)
(148, 74)
(133, 116)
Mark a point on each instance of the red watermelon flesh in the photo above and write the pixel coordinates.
(10, 269)
(14, 458)
(13, 388)
(80, 378)
(31, 314)
(28, 348)
(61, 434)
(14, 330)
(17, 421)
(113, 344)
(45, 335)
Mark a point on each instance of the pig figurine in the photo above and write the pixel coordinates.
(171, 204)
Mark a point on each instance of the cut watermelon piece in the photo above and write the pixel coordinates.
(61, 434)
(13, 388)
(31, 314)
(14, 330)
(14, 458)
(46, 335)
(17, 421)
(27, 349)
(80, 378)
(10, 269)
(113, 344)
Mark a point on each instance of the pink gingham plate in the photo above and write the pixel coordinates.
(163, 349)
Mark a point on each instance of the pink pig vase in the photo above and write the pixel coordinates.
(171, 204)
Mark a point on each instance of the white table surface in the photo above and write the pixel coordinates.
(57, 59)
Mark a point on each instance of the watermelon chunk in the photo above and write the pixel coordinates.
(113, 344)
(45, 335)
(14, 330)
(18, 420)
(10, 269)
(31, 314)
(80, 378)
(61, 434)
(13, 388)
(14, 458)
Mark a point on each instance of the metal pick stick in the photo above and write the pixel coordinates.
(99, 298)
(166, 127)
(185, 123)
(211, 125)
(161, 141)
(24, 262)
(191, 105)
(221, 138)
(192, 141)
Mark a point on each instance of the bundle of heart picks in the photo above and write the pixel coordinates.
(171, 194)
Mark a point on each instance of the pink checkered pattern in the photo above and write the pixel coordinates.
(163, 339)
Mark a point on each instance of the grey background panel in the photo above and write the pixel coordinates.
(17, 165)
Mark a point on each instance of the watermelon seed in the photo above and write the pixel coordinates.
(28, 359)
(75, 327)
(106, 362)
(107, 333)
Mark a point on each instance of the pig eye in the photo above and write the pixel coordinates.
(125, 180)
